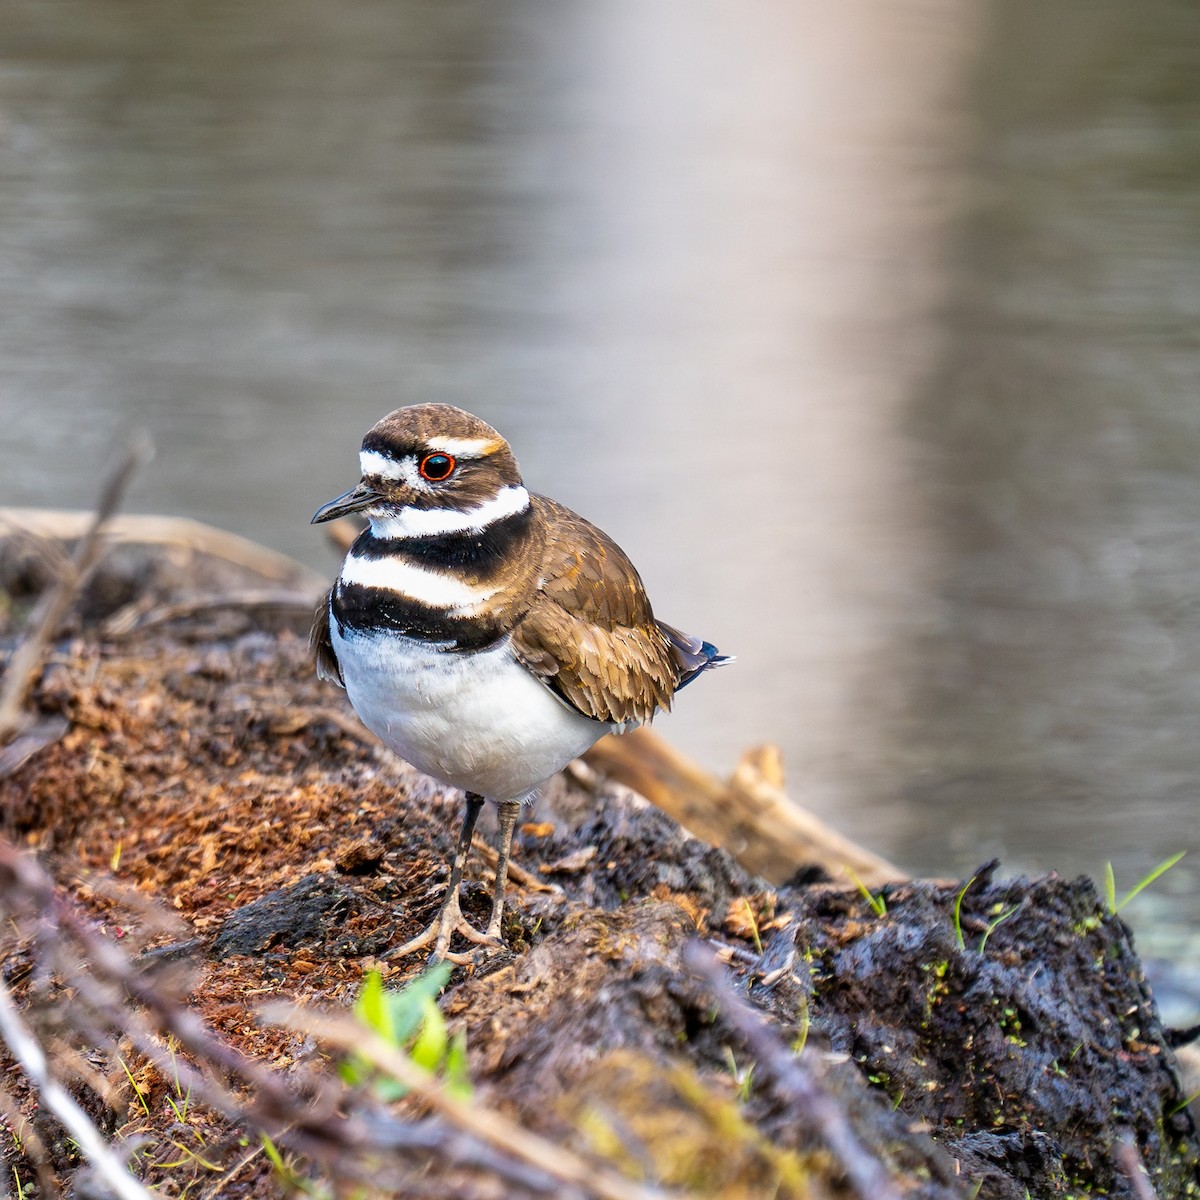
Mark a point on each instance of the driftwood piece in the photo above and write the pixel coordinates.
(750, 815)
(179, 532)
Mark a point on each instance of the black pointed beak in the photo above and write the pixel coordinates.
(355, 500)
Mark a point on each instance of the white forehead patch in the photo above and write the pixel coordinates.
(432, 522)
(371, 462)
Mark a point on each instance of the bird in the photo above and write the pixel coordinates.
(485, 633)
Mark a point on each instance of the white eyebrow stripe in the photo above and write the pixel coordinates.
(465, 447)
(431, 522)
(434, 588)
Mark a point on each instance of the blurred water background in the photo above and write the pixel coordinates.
(871, 331)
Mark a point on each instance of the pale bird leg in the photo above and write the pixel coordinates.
(450, 920)
(507, 818)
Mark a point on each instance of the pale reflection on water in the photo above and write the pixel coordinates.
(871, 335)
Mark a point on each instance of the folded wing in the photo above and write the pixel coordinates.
(591, 634)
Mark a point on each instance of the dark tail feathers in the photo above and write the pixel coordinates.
(692, 655)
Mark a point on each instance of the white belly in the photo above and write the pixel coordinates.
(477, 721)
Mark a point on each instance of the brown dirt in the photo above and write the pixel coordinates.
(207, 775)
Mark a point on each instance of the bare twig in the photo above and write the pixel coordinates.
(489, 1126)
(1130, 1165)
(238, 1167)
(28, 655)
(434, 1137)
(29, 1054)
(31, 739)
(796, 1080)
(295, 719)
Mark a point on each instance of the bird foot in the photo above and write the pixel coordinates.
(449, 922)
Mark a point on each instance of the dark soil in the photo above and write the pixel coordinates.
(1008, 1051)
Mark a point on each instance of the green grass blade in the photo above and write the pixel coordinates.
(272, 1152)
(876, 900)
(958, 933)
(1162, 868)
(987, 933)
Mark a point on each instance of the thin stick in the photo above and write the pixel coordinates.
(489, 1126)
(1131, 1167)
(865, 1174)
(25, 660)
(235, 1171)
(30, 1055)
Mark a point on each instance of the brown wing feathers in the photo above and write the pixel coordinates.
(590, 632)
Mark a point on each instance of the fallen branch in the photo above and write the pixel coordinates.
(32, 737)
(436, 1139)
(517, 873)
(182, 532)
(751, 815)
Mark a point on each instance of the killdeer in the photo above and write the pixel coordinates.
(487, 634)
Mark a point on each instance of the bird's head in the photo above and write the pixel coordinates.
(430, 468)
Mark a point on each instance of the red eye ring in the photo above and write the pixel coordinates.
(436, 467)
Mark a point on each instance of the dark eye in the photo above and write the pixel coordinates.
(436, 467)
